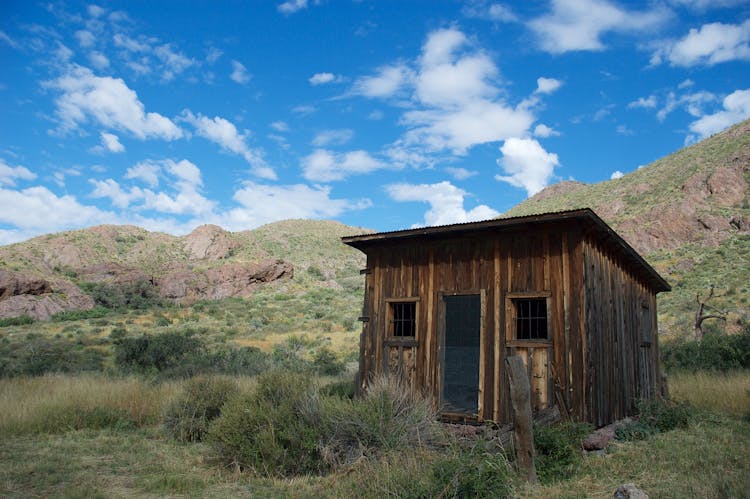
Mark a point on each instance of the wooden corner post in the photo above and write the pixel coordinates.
(520, 397)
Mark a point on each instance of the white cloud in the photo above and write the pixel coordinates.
(616, 174)
(385, 83)
(213, 55)
(95, 10)
(643, 102)
(496, 12)
(702, 5)
(579, 24)
(460, 173)
(174, 62)
(547, 85)
(323, 78)
(686, 83)
(98, 60)
(225, 134)
(280, 126)
(130, 44)
(333, 137)
(543, 131)
(85, 38)
(183, 178)
(110, 102)
(261, 204)
(736, 108)
(146, 171)
(711, 44)
(9, 174)
(624, 130)
(304, 109)
(325, 166)
(292, 6)
(375, 115)
(111, 142)
(239, 73)
(526, 164)
(37, 210)
(8, 40)
(446, 202)
(693, 103)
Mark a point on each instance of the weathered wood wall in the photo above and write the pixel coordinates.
(565, 370)
(622, 365)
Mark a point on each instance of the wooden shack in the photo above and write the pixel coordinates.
(444, 306)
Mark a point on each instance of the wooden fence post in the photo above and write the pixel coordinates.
(520, 397)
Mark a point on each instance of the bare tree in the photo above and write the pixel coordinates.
(705, 312)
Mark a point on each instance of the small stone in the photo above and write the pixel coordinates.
(629, 491)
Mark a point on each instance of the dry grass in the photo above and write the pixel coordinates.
(728, 393)
(36, 405)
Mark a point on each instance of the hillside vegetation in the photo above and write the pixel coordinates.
(688, 214)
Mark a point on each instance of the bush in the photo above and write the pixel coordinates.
(275, 430)
(634, 430)
(558, 451)
(77, 315)
(37, 355)
(390, 416)
(482, 471)
(188, 418)
(664, 415)
(325, 362)
(717, 351)
(140, 294)
(21, 320)
(159, 353)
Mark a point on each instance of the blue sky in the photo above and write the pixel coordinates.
(386, 114)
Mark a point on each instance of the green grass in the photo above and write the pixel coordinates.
(706, 459)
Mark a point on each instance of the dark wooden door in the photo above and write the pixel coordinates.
(460, 387)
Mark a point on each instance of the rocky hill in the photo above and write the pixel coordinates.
(688, 214)
(41, 276)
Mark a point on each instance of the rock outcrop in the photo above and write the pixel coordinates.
(234, 279)
(38, 298)
(210, 242)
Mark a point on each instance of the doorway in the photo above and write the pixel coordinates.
(460, 392)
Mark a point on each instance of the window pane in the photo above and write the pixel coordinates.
(531, 319)
(404, 319)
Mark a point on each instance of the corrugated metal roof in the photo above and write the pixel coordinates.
(585, 215)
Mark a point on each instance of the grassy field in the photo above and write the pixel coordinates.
(96, 436)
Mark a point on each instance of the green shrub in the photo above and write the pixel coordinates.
(481, 471)
(717, 351)
(247, 361)
(327, 363)
(389, 416)
(187, 419)
(634, 430)
(140, 294)
(275, 430)
(37, 355)
(558, 451)
(341, 389)
(21, 320)
(160, 353)
(77, 315)
(664, 415)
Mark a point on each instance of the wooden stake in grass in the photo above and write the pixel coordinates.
(520, 397)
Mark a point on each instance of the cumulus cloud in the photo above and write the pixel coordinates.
(261, 204)
(109, 102)
(713, 43)
(387, 81)
(239, 73)
(446, 202)
(736, 108)
(543, 131)
(280, 126)
(495, 12)
(574, 25)
(323, 78)
(616, 174)
(326, 166)
(333, 137)
(111, 142)
(182, 196)
(644, 102)
(526, 164)
(37, 210)
(693, 103)
(547, 85)
(223, 132)
(174, 62)
(292, 6)
(460, 173)
(9, 174)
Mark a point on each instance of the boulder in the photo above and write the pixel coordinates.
(629, 491)
(15, 284)
(210, 242)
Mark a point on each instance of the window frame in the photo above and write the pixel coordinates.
(511, 318)
(389, 322)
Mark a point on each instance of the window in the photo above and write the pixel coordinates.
(645, 325)
(531, 318)
(403, 319)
